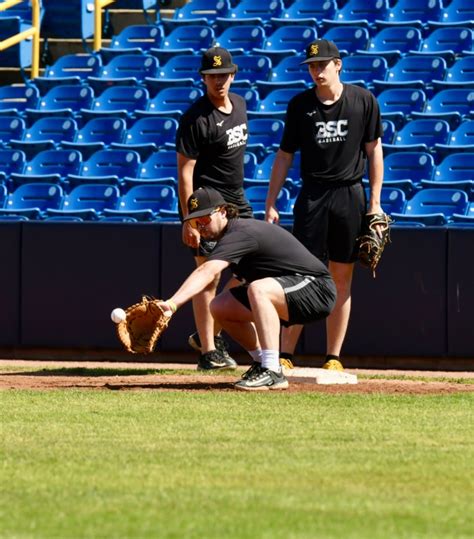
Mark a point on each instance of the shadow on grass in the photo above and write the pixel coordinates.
(187, 386)
(98, 372)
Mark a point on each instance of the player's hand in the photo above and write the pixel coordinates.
(190, 236)
(373, 209)
(272, 215)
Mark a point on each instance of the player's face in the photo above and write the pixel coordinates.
(218, 85)
(209, 226)
(326, 72)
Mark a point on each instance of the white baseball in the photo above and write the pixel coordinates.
(118, 315)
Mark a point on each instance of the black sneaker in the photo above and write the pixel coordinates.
(263, 380)
(250, 371)
(211, 360)
(221, 348)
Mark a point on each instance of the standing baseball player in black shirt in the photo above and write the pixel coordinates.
(281, 282)
(337, 128)
(211, 143)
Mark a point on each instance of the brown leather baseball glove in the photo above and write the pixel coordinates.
(144, 324)
(371, 243)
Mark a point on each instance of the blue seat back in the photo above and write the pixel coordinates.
(388, 131)
(393, 200)
(414, 166)
(461, 71)
(458, 11)
(131, 65)
(266, 131)
(291, 69)
(421, 11)
(452, 100)
(277, 100)
(92, 196)
(73, 97)
(405, 100)
(252, 67)
(256, 9)
(159, 165)
(242, 38)
(455, 167)
(290, 38)
(54, 128)
(464, 134)
(257, 195)
(181, 66)
(106, 130)
(128, 98)
(425, 68)
(119, 163)
(446, 201)
(18, 98)
(79, 65)
(309, 9)
(11, 127)
(364, 68)
(143, 36)
(62, 162)
(429, 132)
(159, 130)
(35, 195)
(399, 38)
(12, 161)
(153, 197)
(179, 98)
(455, 39)
(348, 39)
(194, 36)
(202, 9)
(362, 11)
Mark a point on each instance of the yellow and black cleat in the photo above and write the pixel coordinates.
(286, 363)
(333, 365)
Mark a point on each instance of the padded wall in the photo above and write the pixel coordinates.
(74, 274)
(460, 301)
(10, 241)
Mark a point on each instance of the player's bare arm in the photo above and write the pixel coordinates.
(375, 163)
(185, 188)
(199, 279)
(281, 165)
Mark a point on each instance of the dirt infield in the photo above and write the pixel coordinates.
(42, 375)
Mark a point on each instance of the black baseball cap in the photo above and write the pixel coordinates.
(321, 50)
(203, 201)
(217, 60)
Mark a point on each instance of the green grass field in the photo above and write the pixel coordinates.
(151, 464)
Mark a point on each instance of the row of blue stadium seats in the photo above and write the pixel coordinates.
(392, 42)
(429, 73)
(396, 104)
(155, 202)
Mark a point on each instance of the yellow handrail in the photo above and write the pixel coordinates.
(98, 5)
(33, 31)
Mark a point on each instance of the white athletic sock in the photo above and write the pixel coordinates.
(271, 360)
(256, 355)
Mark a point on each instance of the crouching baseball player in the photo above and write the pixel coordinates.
(281, 283)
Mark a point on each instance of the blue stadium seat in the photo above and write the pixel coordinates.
(50, 166)
(107, 166)
(197, 12)
(180, 70)
(459, 75)
(250, 164)
(11, 127)
(434, 206)
(254, 12)
(455, 171)
(286, 41)
(87, 202)
(14, 100)
(257, 195)
(145, 202)
(69, 69)
(45, 134)
(3, 195)
(412, 72)
(358, 12)
(252, 69)
(448, 42)
(171, 102)
(467, 217)
(388, 131)
(393, 199)
(455, 13)
(394, 42)
(241, 39)
(120, 101)
(124, 70)
(420, 136)
(460, 140)
(33, 199)
(73, 19)
(134, 39)
(288, 73)
(160, 168)
(11, 161)
(67, 100)
(362, 70)
(450, 105)
(148, 135)
(189, 39)
(18, 55)
(97, 134)
(263, 170)
(349, 39)
(406, 170)
(264, 136)
(274, 104)
(251, 96)
(397, 104)
(412, 13)
(306, 12)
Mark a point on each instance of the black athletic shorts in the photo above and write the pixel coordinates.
(308, 298)
(328, 221)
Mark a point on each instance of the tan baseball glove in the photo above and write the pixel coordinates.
(143, 326)
(371, 243)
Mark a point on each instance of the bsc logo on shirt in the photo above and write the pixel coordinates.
(332, 131)
(237, 136)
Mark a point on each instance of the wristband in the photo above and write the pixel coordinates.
(172, 305)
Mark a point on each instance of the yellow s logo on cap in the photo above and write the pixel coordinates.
(193, 203)
(217, 61)
(314, 50)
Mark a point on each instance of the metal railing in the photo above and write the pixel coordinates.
(98, 5)
(32, 32)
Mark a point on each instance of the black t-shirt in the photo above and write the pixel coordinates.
(217, 141)
(332, 137)
(257, 249)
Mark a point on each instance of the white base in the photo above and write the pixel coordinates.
(319, 376)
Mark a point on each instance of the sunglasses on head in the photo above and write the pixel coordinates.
(204, 220)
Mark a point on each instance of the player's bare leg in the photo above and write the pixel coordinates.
(338, 321)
